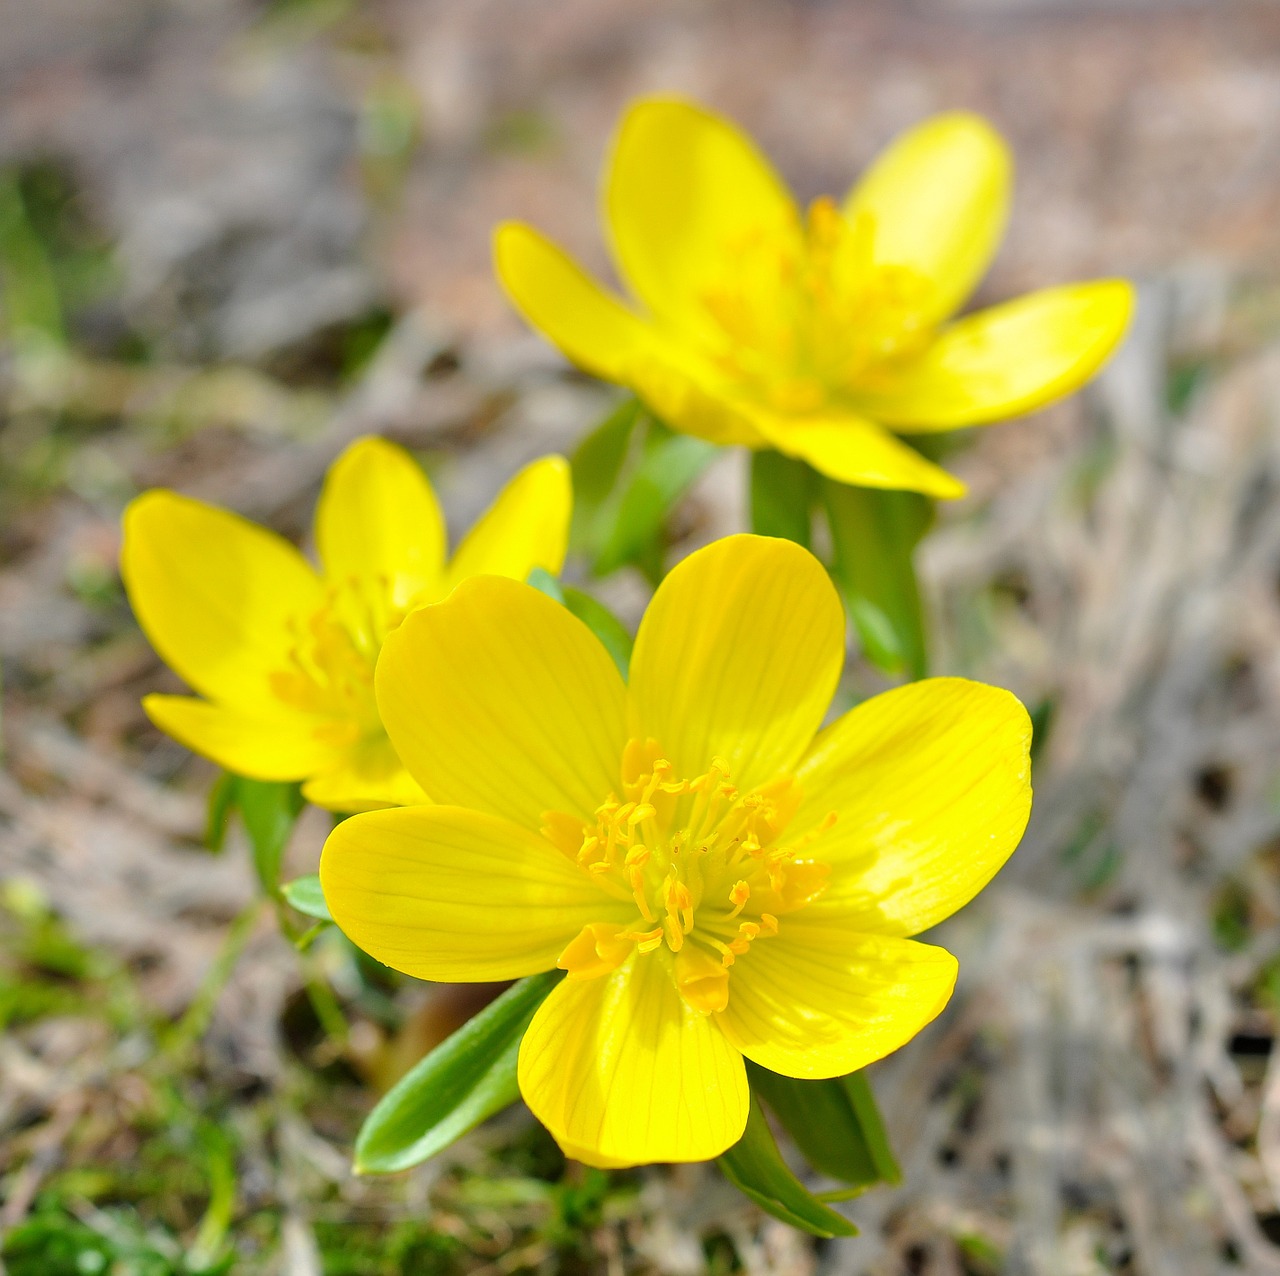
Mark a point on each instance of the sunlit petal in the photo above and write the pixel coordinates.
(737, 658)
(526, 527)
(1007, 360)
(499, 698)
(854, 450)
(368, 777)
(263, 748)
(378, 521)
(449, 894)
(931, 787)
(591, 327)
(220, 598)
(938, 199)
(622, 1072)
(819, 1001)
(685, 192)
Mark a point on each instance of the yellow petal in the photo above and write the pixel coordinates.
(687, 192)
(498, 698)
(737, 658)
(602, 336)
(444, 893)
(218, 597)
(622, 1072)
(819, 1001)
(589, 326)
(527, 526)
(690, 399)
(1007, 360)
(931, 785)
(851, 449)
(378, 521)
(278, 748)
(588, 1156)
(939, 199)
(366, 778)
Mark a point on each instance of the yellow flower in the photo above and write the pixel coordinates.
(715, 881)
(283, 655)
(812, 334)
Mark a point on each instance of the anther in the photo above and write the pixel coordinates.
(646, 940)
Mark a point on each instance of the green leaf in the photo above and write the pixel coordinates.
(874, 534)
(756, 1168)
(543, 581)
(269, 810)
(596, 464)
(604, 624)
(865, 1108)
(613, 634)
(630, 530)
(880, 641)
(1042, 716)
(30, 288)
(304, 894)
(783, 491)
(837, 1137)
(463, 1081)
(222, 802)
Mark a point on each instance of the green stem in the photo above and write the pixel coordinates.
(325, 1004)
(874, 535)
(783, 492)
(195, 1021)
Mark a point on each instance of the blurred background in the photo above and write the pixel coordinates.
(235, 234)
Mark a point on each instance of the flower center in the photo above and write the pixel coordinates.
(805, 321)
(332, 657)
(703, 865)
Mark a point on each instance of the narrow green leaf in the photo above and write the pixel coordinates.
(462, 1082)
(304, 894)
(543, 581)
(783, 491)
(603, 623)
(31, 300)
(222, 802)
(838, 1138)
(308, 937)
(1042, 716)
(865, 1108)
(874, 534)
(612, 633)
(756, 1168)
(596, 464)
(269, 810)
(881, 643)
(631, 530)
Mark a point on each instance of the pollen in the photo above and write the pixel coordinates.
(704, 864)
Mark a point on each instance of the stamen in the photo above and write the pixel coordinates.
(645, 941)
(698, 859)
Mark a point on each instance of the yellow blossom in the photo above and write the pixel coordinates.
(282, 655)
(718, 877)
(814, 334)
